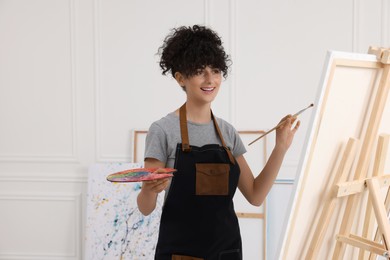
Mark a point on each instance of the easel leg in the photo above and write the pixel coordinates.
(378, 170)
(327, 211)
(378, 234)
(379, 209)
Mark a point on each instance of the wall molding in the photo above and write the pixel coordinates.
(232, 51)
(76, 198)
(25, 158)
(73, 157)
(46, 178)
(385, 40)
(355, 25)
(74, 76)
(207, 11)
(97, 36)
(97, 72)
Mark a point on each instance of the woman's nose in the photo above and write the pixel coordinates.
(208, 76)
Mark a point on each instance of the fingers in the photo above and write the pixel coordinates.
(286, 132)
(296, 127)
(290, 124)
(159, 170)
(284, 119)
(156, 186)
(288, 121)
(293, 119)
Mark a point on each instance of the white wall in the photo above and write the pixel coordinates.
(77, 76)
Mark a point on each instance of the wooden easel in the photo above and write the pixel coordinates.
(372, 185)
(361, 182)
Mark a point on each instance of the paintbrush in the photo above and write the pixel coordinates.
(281, 123)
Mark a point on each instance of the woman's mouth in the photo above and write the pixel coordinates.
(207, 89)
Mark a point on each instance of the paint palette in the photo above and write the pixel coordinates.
(141, 174)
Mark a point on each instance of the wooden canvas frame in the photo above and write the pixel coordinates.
(255, 151)
(347, 97)
(259, 150)
(138, 139)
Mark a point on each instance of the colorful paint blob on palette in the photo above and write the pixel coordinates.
(141, 174)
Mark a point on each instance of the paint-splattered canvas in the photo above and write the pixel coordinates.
(115, 229)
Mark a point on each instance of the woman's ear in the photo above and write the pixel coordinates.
(179, 78)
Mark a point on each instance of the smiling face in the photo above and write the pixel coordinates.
(203, 87)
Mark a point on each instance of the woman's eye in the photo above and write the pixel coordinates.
(199, 72)
(216, 71)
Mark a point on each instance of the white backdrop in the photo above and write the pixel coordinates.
(76, 76)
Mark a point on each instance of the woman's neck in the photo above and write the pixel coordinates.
(200, 114)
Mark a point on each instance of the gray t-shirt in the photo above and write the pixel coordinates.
(164, 135)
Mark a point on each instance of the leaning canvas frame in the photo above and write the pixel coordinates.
(253, 220)
(342, 107)
(138, 141)
(115, 228)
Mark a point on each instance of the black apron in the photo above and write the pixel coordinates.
(198, 220)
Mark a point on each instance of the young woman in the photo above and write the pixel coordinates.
(198, 220)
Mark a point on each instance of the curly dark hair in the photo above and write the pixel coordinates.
(188, 49)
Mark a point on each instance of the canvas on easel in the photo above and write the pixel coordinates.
(347, 98)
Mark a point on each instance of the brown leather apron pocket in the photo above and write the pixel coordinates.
(184, 257)
(212, 178)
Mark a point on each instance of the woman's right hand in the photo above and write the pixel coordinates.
(147, 197)
(155, 186)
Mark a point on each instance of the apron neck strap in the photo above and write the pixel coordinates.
(183, 129)
(184, 133)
